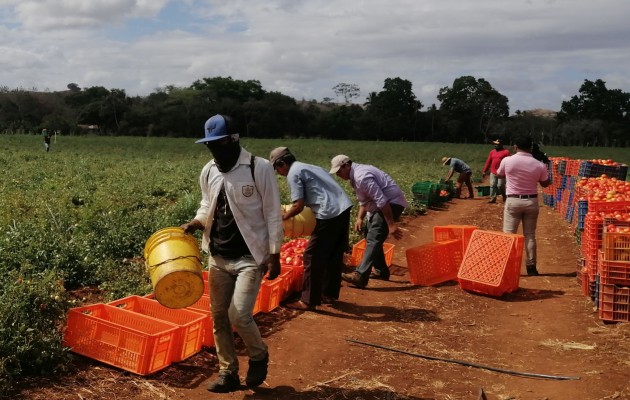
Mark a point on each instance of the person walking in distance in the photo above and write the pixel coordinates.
(47, 138)
(240, 215)
(497, 185)
(313, 187)
(382, 202)
(523, 173)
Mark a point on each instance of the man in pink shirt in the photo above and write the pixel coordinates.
(523, 173)
(497, 185)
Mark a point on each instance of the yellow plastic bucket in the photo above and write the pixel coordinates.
(299, 225)
(174, 264)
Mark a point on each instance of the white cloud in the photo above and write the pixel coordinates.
(536, 52)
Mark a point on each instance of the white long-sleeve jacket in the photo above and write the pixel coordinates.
(255, 204)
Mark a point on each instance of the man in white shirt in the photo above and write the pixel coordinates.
(240, 214)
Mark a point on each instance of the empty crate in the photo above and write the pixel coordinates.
(492, 263)
(187, 340)
(434, 262)
(121, 338)
(203, 306)
(452, 232)
(359, 249)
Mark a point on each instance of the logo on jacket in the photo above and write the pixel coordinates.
(247, 190)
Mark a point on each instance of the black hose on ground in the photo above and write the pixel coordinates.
(469, 364)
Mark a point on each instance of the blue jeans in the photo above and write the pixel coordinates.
(234, 286)
(497, 186)
(526, 210)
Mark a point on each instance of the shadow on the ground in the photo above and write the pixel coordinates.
(329, 393)
(524, 294)
(341, 309)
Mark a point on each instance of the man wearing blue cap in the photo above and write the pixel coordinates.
(240, 215)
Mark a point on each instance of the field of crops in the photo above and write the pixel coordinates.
(79, 215)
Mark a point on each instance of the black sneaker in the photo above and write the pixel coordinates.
(257, 372)
(225, 383)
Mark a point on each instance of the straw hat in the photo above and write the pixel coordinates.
(445, 160)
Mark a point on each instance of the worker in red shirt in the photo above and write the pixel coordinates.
(497, 184)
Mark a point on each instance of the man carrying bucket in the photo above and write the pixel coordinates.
(313, 187)
(242, 229)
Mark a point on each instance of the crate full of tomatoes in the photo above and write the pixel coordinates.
(292, 252)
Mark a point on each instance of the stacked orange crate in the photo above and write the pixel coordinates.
(121, 338)
(614, 264)
(188, 337)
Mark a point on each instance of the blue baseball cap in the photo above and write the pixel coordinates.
(216, 128)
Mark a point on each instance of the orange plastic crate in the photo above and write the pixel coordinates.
(614, 303)
(270, 295)
(203, 306)
(616, 246)
(297, 280)
(359, 249)
(492, 263)
(435, 262)
(286, 275)
(452, 232)
(613, 272)
(189, 335)
(124, 339)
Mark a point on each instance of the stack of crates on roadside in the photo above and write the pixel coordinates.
(140, 335)
(614, 271)
(589, 194)
(428, 194)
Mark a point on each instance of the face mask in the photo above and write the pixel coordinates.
(225, 155)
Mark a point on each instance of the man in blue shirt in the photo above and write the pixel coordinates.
(382, 202)
(312, 187)
(465, 174)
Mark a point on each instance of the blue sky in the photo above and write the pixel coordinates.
(536, 52)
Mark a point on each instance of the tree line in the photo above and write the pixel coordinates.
(470, 111)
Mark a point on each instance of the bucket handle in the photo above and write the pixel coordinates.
(151, 268)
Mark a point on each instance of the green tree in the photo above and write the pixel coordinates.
(608, 111)
(391, 113)
(473, 108)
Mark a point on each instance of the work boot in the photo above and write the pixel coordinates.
(494, 200)
(531, 270)
(257, 372)
(225, 383)
(354, 278)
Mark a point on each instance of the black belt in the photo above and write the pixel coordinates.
(523, 196)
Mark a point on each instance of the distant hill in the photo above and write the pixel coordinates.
(542, 113)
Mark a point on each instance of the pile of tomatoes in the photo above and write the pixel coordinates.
(292, 252)
(603, 189)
